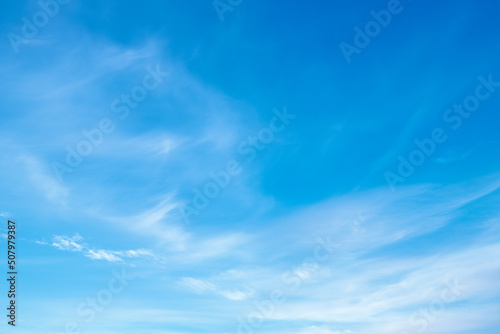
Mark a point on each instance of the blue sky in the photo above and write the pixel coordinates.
(245, 175)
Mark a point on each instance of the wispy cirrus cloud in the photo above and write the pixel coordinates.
(76, 244)
(68, 243)
(201, 286)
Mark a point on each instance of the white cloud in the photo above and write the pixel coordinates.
(236, 295)
(101, 254)
(74, 244)
(156, 222)
(200, 286)
(136, 253)
(68, 243)
(197, 285)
